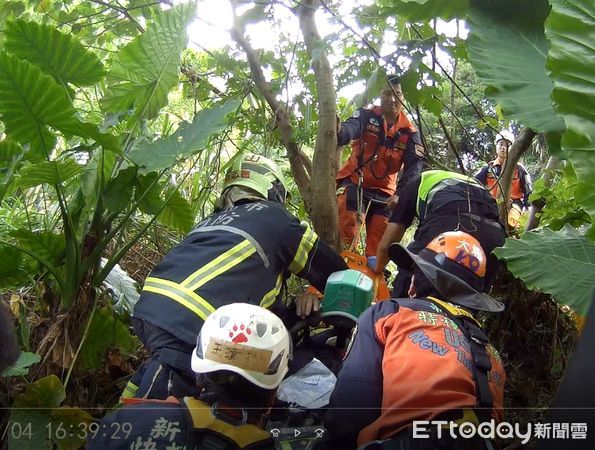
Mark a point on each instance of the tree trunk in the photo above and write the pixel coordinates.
(520, 146)
(325, 163)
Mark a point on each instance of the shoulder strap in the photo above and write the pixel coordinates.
(220, 434)
(482, 364)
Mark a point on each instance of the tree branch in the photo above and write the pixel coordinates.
(520, 146)
(123, 10)
(451, 145)
(299, 162)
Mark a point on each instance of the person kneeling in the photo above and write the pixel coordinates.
(423, 358)
(241, 357)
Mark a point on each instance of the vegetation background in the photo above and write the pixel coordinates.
(114, 135)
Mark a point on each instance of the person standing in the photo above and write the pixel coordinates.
(384, 142)
(490, 174)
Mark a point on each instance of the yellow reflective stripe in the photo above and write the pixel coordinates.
(220, 264)
(270, 297)
(180, 294)
(301, 256)
(129, 390)
(454, 310)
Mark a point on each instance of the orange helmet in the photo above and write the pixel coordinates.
(455, 264)
(461, 248)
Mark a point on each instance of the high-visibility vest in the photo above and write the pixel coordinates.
(432, 182)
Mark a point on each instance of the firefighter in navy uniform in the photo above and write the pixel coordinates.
(442, 201)
(244, 251)
(421, 358)
(521, 186)
(384, 141)
(241, 356)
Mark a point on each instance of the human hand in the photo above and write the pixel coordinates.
(306, 303)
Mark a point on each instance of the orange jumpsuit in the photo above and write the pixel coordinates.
(379, 152)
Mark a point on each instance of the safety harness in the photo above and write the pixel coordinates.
(482, 364)
(213, 430)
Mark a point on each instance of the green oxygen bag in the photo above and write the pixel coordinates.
(347, 294)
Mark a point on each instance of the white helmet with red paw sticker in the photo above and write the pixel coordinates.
(246, 339)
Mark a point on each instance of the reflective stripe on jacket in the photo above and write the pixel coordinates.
(239, 255)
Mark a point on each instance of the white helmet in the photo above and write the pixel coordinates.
(246, 339)
(504, 135)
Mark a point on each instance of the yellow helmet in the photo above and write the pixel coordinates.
(259, 174)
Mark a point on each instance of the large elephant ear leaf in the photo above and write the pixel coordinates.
(31, 102)
(146, 70)
(561, 263)
(571, 30)
(508, 51)
(57, 54)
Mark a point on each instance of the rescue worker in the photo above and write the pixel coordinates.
(442, 201)
(422, 358)
(249, 246)
(384, 141)
(489, 175)
(241, 357)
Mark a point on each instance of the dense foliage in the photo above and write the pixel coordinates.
(113, 136)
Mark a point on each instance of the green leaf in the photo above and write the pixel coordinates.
(48, 172)
(571, 31)
(31, 101)
(56, 53)
(422, 10)
(508, 52)
(146, 70)
(177, 213)
(148, 193)
(11, 155)
(47, 392)
(9, 151)
(70, 420)
(11, 270)
(37, 411)
(374, 85)
(106, 331)
(118, 192)
(560, 263)
(47, 246)
(22, 365)
(188, 139)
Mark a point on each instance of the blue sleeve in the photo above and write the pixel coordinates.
(357, 398)
(405, 211)
(413, 159)
(352, 128)
(482, 175)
